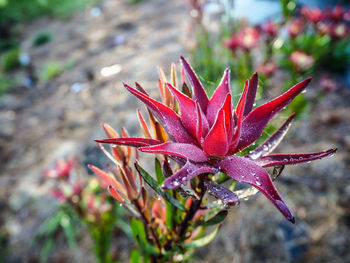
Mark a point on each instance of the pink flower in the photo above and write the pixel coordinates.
(246, 39)
(323, 28)
(207, 133)
(62, 169)
(295, 27)
(301, 61)
(313, 15)
(327, 83)
(269, 68)
(270, 28)
(339, 30)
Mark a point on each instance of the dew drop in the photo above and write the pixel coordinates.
(257, 182)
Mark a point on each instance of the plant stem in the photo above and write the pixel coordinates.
(148, 225)
(195, 206)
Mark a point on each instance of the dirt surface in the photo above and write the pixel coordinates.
(61, 118)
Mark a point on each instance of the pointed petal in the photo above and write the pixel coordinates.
(271, 143)
(283, 159)
(246, 171)
(166, 116)
(110, 132)
(107, 179)
(173, 75)
(234, 140)
(198, 90)
(252, 89)
(218, 98)
(216, 143)
(140, 89)
(186, 173)
(256, 121)
(199, 124)
(202, 126)
(184, 150)
(134, 142)
(187, 109)
(224, 194)
(115, 194)
(143, 124)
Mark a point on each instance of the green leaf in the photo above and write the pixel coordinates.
(47, 248)
(69, 230)
(202, 241)
(169, 215)
(217, 219)
(140, 236)
(159, 173)
(153, 184)
(135, 256)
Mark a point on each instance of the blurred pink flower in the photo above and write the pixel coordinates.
(314, 15)
(295, 27)
(323, 28)
(62, 169)
(339, 30)
(270, 28)
(328, 84)
(301, 60)
(246, 39)
(268, 68)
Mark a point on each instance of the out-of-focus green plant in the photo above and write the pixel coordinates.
(8, 44)
(5, 83)
(3, 245)
(83, 204)
(305, 42)
(10, 59)
(50, 70)
(24, 10)
(41, 39)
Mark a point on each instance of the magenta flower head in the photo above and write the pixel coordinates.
(207, 133)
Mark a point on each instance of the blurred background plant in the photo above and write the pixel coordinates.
(12, 15)
(302, 41)
(82, 203)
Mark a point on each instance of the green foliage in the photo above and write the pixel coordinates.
(7, 44)
(154, 185)
(10, 60)
(210, 59)
(5, 83)
(217, 219)
(25, 10)
(50, 70)
(66, 219)
(136, 1)
(203, 240)
(3, 245)
(288, 7)
(41, 39)
(135, 256)
(140, 236)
